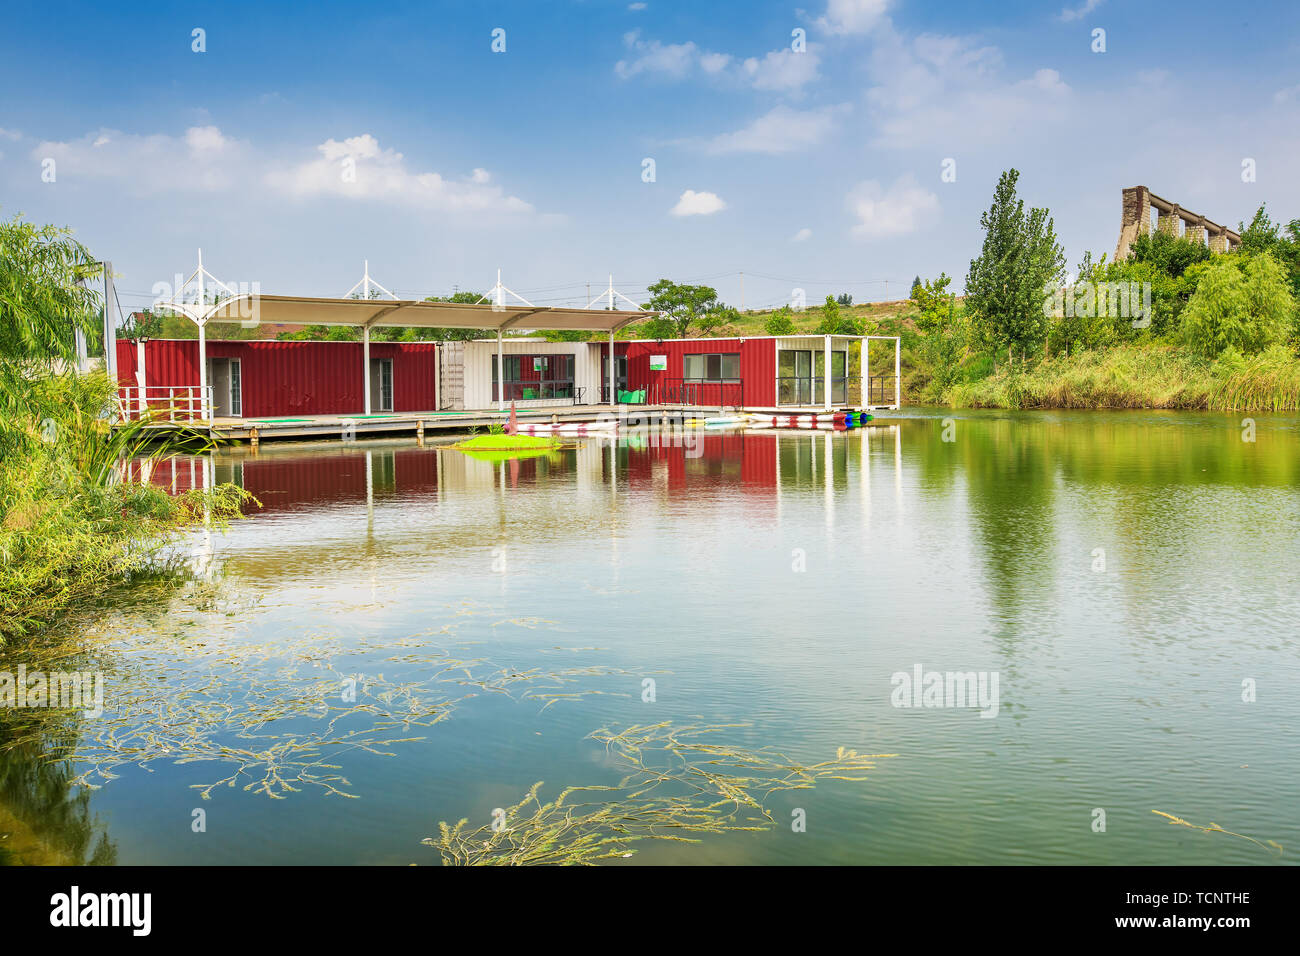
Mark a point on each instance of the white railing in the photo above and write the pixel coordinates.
(172, 403)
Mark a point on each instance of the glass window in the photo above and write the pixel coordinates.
(711, 367)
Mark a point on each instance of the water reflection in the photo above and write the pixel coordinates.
(778, 578)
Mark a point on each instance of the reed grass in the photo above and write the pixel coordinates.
(1148, 376)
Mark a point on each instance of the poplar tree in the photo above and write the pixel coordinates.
(1006, 283)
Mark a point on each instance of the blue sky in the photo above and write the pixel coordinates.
(819, 169)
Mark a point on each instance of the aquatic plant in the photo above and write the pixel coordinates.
(1215, 828)
(680, 784)
(274, 715)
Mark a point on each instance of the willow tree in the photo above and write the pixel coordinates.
(44, 297)
(1020, 259)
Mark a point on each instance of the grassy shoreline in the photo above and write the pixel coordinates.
(1136, 377)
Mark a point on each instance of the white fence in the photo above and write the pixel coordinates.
(170, 403)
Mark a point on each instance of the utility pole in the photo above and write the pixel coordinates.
(110, 324)
(742, 292)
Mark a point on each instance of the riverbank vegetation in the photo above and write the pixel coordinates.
(1172, 326)
(70, 528)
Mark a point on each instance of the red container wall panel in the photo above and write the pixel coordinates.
(757, 366)
(125, 363)
(415, 374)
(294, 378)
(299, 378)
(167, 362)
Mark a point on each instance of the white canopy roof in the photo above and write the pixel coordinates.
(255, 309)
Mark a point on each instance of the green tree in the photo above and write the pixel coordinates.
(1019, 259)
(44, 297)
(682, 306)
(720, 319)
(779, 322)
(943, 336)
(1240, 303)
(1282, 243)
(916, 287)
(834, 322)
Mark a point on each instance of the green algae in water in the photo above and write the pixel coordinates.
(679, 785)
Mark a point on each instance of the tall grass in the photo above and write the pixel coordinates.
(1146, 376)
(70, 529)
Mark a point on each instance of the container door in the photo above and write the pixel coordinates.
(381, 385)
(236, 389)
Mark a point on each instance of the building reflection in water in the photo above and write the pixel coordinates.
(646, 464)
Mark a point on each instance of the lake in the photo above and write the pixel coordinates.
(403, 635)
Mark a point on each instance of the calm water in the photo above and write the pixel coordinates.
(1120, 685)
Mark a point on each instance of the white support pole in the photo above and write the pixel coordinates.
(898, 364)
(866, 361)
(864, 347)
(110, 326)
(206, 410)
(501, 370)
(365, 366)
(203, 345)
(826, 374)
(613, 386)
(140, 377)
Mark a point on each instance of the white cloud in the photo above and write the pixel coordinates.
(1070, 14)
(802, 235)
(692, 203)
(636, 7)
(780, 70)
(674, 59)
(206, 140)
(780, 130)
(903, 209)
(203, 158)
(1290, 94)
(935, 91)
(852, 16)
(10, 134)
(359, 168)
(715, 62)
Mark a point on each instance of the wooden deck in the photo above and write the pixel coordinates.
(351, 427)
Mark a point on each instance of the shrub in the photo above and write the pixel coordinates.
(1244, 307)
(779, 323)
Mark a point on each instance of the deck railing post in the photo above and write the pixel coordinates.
(203, 347)
(365, 368)
(501, 371)
(826, 374)
(898, 381)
